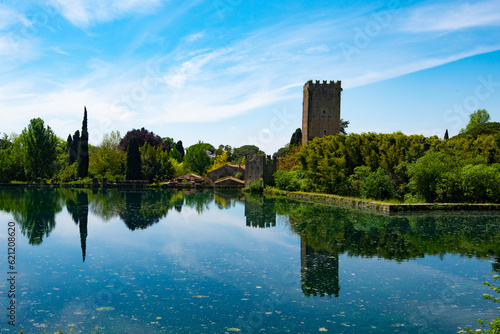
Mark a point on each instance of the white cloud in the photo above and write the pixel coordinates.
(195, 37)
(190, 70)
(317, 49)
(16, 49)
(9, 17)
(267, 67)
(210, 105)
(453, 16)
(58, 50)
(84, 13)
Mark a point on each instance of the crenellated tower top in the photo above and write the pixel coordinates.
(323, 84)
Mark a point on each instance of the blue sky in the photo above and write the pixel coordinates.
(231, 71)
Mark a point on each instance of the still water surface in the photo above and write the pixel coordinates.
(220, 262)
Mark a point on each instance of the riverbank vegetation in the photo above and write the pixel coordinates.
(414, 168)
(390, 167)
(37, 153)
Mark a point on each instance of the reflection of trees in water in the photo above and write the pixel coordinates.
(178, 201)
(319, 272)
(143, 209)
(260, 212)
(328, 231)
(227, 198)
(79, 211)
(198, 200)
(107, 204)
(33, 209)
(391, 237)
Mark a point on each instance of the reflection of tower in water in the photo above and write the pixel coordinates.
(496, 265)
(260, 212)
(319, 272)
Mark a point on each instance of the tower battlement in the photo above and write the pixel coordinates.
(323, 84)
(321, 109)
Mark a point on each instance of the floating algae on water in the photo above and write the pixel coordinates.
(106, 308)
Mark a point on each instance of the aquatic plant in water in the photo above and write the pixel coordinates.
(495, 324)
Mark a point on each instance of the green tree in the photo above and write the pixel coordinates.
(4, 142)
(69, 143)
(296, 138)
(240, 152)
(427, 173)
(39, 147)
(155, 164)
(83, 149)
(197, 158)
(170, 143)
(179, 168)
(220, 160)
(73, 147)
(480, 116)
(180, 148)
(107, 160)
(343, 126)
(377, 185)
(446, 135)
(11, 160)
(111, 140)
(480, 183)
(133, 160)
(174, 154)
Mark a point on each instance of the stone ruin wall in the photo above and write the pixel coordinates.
(259, 166)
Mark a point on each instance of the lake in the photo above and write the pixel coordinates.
(142, 261)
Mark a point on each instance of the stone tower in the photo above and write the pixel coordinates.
(320, 109)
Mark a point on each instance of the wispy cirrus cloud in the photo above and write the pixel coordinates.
(207, 74)
(85, 13)
(195, 37)
(9, 16)
(12, 44)
(453, 16)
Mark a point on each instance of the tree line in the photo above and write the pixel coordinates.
(139, 155)
(414, 168)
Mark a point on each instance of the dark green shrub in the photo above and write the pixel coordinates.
(133, 160)
(256, 187)
(377, 185)
(293, 181)
(427, 172)
(481, 183)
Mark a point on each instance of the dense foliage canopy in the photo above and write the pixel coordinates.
(465, 168)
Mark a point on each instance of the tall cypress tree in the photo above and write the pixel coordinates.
(133, 160)
(180, 148)
(296, 137)
(73, 148)
(446, 136)
(69, 145)
(83, 149)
